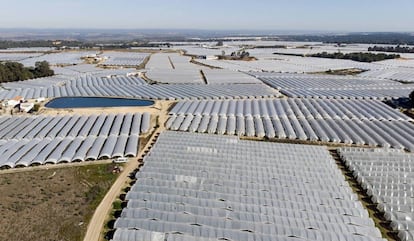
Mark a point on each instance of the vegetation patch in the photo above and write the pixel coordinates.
(351, 71)
(54, 204)
(239, 55)
(13, 71)
(360, 57)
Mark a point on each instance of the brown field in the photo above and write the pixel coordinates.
(51, 204)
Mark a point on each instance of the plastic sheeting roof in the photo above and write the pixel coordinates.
(124, 58)
(362, 122)
(162, 92)
(207, 187)
(328, 86)
(387, 176)
(54, 139)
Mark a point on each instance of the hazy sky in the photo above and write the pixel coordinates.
(325, 15)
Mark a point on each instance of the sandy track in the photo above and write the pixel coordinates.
(94, 232)
(96, 224)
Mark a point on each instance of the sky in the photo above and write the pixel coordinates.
(301, 15)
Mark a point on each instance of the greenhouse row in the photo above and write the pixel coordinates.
(17, 56)
(187, 188)
(31, 152)
(90, 69)
(38, 140)
(107, 81)
(124, 58)
(407, 63)
(388, 179)
(44, 126)
(313, 81)
(38, 83)
(301, 108)
(59, 58)
(86, 80)
(172, 68)
(401, 74)
(164, 61)
(223, 76)
(327, 86)
(194, 76)
(288, 64)
(161, 92)
(394, 134)
(340, 121)
(174, 76)
(381, 93)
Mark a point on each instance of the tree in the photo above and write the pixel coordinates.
(13, 71)
(42, 69)
(412, 98)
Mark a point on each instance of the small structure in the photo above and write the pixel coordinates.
(120, 160)
(40, 99)
(15, 101)
(26, 107)
(117, 169)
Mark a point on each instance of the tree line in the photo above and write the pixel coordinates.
(61, 44)
(356, 38)
(13, 71)
(391, 49)
(360, 57)
(5, 44)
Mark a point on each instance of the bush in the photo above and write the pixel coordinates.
(36, 107)
(117, 205)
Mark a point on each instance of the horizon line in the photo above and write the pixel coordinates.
(202, 30)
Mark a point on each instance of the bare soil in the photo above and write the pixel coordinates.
(155, 109)
(351, 71)
(51, 204)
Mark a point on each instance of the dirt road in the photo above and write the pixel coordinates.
(95, 227)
